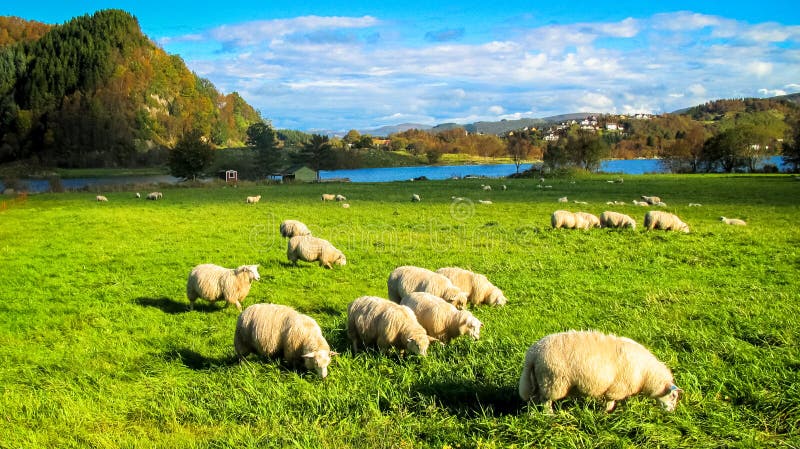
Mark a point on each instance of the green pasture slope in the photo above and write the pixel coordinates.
(99, 350)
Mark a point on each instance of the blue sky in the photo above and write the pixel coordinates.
(327, 65)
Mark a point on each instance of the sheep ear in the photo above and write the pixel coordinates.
(333, 353)
(310, 355)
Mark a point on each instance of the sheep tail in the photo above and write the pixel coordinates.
(527, 382)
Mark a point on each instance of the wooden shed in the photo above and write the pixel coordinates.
(297, 173)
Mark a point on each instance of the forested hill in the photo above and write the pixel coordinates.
(96, 92)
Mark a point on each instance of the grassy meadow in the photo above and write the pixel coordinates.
(99, 350)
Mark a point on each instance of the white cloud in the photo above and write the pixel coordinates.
(314, 72)
(772, 92)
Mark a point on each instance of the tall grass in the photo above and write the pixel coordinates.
(99, 348)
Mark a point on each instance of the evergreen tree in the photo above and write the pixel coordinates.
(317, 153)
(791, 149)
(263, 140)
(191, 156)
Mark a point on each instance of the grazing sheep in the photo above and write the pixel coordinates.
(486, 187)
(594, 364)
(212, 282)
(415, 198)
(309, 249)
(579, 202)
(589, 220)
(346, 205)
(138, 195)
(253, 199)
(373, 320)
(640, 203)
(567, 220)
(548, 187)
(503, 187)
(100, 198)
(651, 199)
(154, 196)
(408, 279)
(695, 205)
(733, 221)
(664, 220)
(476, 286)
(293, 228)
(440, 319)
(484, 202)
(563, 199)
(273, 330)
(341, 198)
(660, 204)
(609, 219)
(328, 197)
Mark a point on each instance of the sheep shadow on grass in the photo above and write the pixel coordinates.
(172, 307)
(472, 399)
(198, 362)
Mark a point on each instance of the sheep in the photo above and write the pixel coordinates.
(640, 203)
(651, 199)
(660, 204)
(484, 202)
(503, 187)
(373, 320)
(345, 205)
(101, 198)
(309, 249)
(695, 205)
(664, 220)
(293, 228)
(440, 319)
(567, 220)
(486, 187)
(154, 196)
(212, 282)
(273, 330)
(476, 286)
(340, 198)
(408, 279)
(609, 219)
(415, 198)
(589, 220)
(138, 195)
(594, 364)
(328, 197)
(253, 199)
(733, 221)
(579, 202)
(563, 199)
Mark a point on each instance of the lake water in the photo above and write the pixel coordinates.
(630, 167)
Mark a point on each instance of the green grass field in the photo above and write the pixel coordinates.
(98, 348)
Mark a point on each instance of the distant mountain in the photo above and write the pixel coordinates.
(386, 130)
(96, 92)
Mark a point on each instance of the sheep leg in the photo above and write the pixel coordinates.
(547, 407)
(610, 406)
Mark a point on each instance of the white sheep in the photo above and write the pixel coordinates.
(651, 199)
(484, 202)
(594, 364)
(346, 205)
(293, 228)
(609, 219)
(273, 330)
(486, 187)
(440, 319)
(328, 197)
(589, 220)
(372, 320)
(253, 199)
(567, 220)
(640, 203)
(155, 196)
(138, 195)
(503, 187)
(341, 198)
(101, 198)
(664, 220)
(309, 249)
(415, 198)
(579, 202)
(476, 286)
(408, 279)
(212, 282)
(660, 204)
(563, 199)
(695, 205)
(733, 221)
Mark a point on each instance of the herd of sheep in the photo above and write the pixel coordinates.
(423, 307)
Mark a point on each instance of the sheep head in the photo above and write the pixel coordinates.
(669, 400)
(469, 325)
(319, 361)
(496, 297)
(251, 270)
(456, 297)
(419, 344)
